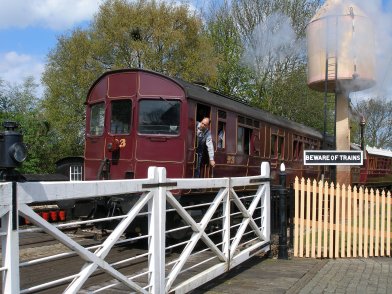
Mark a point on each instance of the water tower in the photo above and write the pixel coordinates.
(340, 60)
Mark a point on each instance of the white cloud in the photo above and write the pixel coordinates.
(16, 67)
(53, 14)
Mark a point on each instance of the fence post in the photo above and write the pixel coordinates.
(10, 245)
(265, 172)
(282, 253)
(290, 197)
(157, 221)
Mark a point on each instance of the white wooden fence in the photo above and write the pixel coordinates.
(243, 231)
(339, 222)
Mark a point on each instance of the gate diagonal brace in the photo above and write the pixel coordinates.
(91, 258)
(199, 232)
(247, 217)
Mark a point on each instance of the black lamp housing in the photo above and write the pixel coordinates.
(12, 149)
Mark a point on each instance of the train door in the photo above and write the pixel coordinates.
(244, 145)
(201, 162)
(118, 140)
(95, 138)
(110, 128)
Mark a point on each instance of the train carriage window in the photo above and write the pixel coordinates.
(372, 163)
(297, 150)
(121, 116)
(277, 146)
(243, 140)
(273, 146)
(295, 146)
(221, 114)
(240, 139)
(281, 147)
(221, 130)
(300, 150)
(221, 135)
(159, 117)
(97, 119)
(248, 141)
(255, 143)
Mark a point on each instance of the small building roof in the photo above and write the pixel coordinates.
(380, 152)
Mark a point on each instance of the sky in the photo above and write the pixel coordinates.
(29, 31)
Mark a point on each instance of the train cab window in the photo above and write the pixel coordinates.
(121, 117)
(97, 119)
(159, 117)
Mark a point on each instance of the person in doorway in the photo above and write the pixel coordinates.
(204, 146)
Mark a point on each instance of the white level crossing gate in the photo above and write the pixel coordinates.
(229, 228)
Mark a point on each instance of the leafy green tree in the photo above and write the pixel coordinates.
(234, 75)
(20, 103)
(290, 97)
(67, 78)
(155, 35)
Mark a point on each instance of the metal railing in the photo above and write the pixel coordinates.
(219, 232)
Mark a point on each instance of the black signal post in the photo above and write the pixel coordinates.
(12, 154)
(282, 252)
(12, 151)
(362, 124)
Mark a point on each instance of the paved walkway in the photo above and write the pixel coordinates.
(305, 275)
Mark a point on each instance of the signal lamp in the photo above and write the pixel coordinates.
(12, 149)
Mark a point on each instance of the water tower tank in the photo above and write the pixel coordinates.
(340, 48)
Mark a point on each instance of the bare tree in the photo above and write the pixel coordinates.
(378, 116)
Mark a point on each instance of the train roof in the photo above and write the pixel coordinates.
(211, 97)
(208, 96)
(379, 152)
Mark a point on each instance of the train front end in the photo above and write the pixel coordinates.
(134, 119)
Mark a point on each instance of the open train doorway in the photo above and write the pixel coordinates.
(202, 168)
(202, 111)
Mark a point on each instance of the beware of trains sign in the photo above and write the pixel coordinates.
(329, 157)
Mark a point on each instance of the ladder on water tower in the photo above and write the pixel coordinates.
(331, 72)
(331, 67)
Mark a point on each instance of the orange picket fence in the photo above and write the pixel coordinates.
(341, 222)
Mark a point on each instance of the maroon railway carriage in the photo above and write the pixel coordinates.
(138, 118)
(376, 171)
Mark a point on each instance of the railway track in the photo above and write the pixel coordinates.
(44, 259)
(128, 257)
